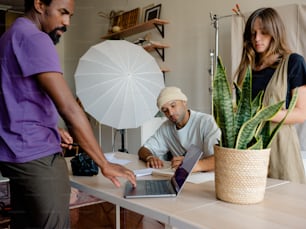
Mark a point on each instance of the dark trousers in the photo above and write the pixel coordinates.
(40, 193)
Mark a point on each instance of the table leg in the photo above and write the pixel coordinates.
(117, 216)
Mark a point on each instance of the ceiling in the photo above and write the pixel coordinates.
(17, 5)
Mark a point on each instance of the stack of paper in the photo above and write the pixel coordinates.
(194, 178)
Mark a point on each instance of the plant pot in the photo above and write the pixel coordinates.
(241, 175)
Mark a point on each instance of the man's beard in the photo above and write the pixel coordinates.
(54, 36)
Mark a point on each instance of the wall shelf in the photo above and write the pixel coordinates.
(159, 48)
(154, 23)
(139, 28)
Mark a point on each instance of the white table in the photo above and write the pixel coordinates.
(284, 205)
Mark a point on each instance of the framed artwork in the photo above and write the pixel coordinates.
(153, 12)
(143, 12)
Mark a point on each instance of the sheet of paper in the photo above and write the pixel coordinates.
(195, 178)
(111, 158)
(143, 172)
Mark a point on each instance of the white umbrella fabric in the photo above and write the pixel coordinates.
(118, 83)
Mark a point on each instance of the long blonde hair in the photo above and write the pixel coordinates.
(272, 25)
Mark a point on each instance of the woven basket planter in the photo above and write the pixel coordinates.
(241, 175)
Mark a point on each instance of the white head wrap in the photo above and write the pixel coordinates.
(168, 94)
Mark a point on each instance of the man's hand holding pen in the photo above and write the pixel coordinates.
(176, 161)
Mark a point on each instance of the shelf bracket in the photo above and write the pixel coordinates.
(160, 28)
(161, 53)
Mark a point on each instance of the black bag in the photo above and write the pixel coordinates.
(83, 165)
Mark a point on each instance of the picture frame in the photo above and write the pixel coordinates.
(153, 12)
(143, 12)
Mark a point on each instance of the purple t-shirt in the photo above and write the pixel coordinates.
(28, 117)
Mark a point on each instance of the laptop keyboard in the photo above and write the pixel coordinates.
(161, 186)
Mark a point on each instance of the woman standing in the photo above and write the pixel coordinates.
(277, 71)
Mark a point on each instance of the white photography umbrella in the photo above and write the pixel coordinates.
(118, 83)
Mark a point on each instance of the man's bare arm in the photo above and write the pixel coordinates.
(146, 155)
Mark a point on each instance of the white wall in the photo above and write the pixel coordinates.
(189, 34)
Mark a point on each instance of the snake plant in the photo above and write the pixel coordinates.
(244, 123)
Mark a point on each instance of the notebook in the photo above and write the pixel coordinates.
(165, 187)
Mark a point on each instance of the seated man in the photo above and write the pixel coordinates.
(183, 128)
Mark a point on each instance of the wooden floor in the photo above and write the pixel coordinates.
(102, 216)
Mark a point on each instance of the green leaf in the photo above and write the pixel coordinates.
(257, 145)
(248, 129)
(238, 92)
(257, 102)
(279, 125)
(223, 107)
(264, 132)
(244, 110)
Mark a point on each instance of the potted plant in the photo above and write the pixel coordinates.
(242, 156)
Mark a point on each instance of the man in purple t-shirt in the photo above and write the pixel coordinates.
(33, 93)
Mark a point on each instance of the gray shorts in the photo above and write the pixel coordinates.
(40, 193)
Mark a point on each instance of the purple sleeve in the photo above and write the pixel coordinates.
(37, 54)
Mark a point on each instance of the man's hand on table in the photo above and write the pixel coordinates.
(154, 162)
(112, 171)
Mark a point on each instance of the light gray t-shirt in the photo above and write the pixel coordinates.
(201, 130)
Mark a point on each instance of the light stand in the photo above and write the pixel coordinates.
(122, 133)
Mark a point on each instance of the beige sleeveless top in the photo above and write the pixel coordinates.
(285, 160)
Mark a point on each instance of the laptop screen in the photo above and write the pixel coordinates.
(182, 172)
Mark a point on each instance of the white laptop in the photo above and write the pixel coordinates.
(165, 187)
